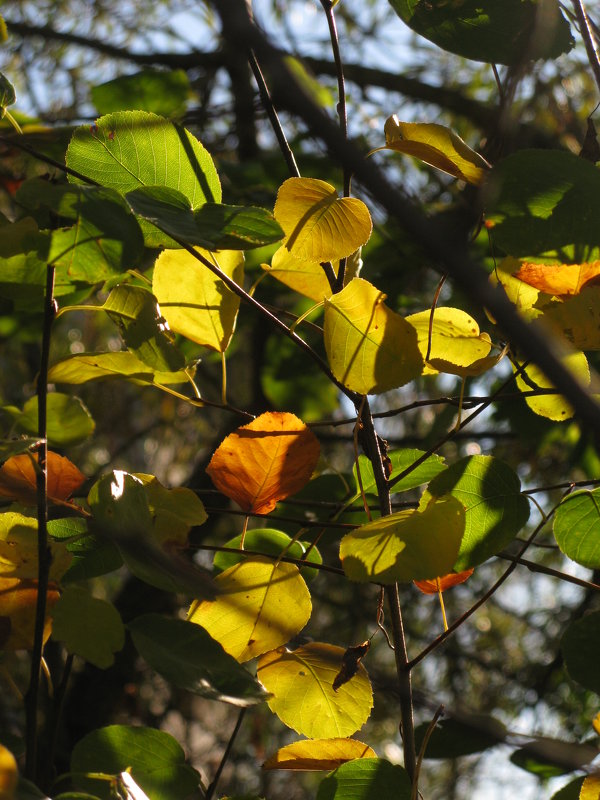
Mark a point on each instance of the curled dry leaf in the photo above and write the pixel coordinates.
(444, 582)
(18, 478)
(265, 461)
(350, 661)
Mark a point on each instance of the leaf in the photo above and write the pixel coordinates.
(19, 549)
(91, 556)
(87, 367)
(265, 461)
(440, 584)
(174, 511)
(457, 346)
(553, 406)
(9, 772)
(366, 779)
(350, 663)
(88, 627)
(129, 149)
(18, 608)
(577, 318)
(318, 754)
(453, 738)
(494, 31)
(590, 789)
(318, 225)
(399, 460)
(370, 348)
(7, 94)
(155, 759)
(305, 277)
(544, 770)
(271, 542)
(405, 546)
(13, 447)
(523, 296)
(544, 201)
(260, 605)
(68, 420)
(157, 91)
(301, 684)
(559, 279)
(581, 650)
(576, 528)
(495, 509)
(570, 791)
(189, 658)
(437, 146)
(18, 478)
(144, 330)
(194, 301)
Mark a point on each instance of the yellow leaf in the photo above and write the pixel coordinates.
(578, 318)
(558, 279)
(318, 754)
(9, 774)
(260, 606)
(18, 606)
(318, 225)
(553, 406)
(590, 789)
(301, 684)
(305, 277)
(435, 145)
(370, 348)
(596, 723)
(193, 300)
(457, 346)
(406, 546)
(521, 294)
(19, 549)
(18, 478)
(265, 461)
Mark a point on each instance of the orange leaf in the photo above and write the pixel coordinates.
(18, 599)
(445, 582)
(263, 462)
(558, 279)
(18, 478)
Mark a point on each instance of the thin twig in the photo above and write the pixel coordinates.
(213, 785)
(588, 39)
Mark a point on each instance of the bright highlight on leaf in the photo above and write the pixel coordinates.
(18, 478)
(318, 754)
(265, 461)
(553, 406)
(305, 277)
(260, 606)
(370, 348)
(88, 367)
(194, 301)
(523, 296)
(319, 225)
(301, 682)
(436, 145)
(559, 279)
(405, 546)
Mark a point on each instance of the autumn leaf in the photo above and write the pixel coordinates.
(18, 478)
(591, 787)
(265, 461)
(19, 549)
(18, 601)
(559, 279)
(305, 277)
(318, 754)
(9, 772)
(444, 582)
(350, 661)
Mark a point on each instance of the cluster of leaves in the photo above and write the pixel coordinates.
(137, 183)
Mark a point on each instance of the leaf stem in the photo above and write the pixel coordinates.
(588, 39)
(213, 785)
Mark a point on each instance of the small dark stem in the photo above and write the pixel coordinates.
(43, 550)
(588, 39)
(59, 698)
(403, 668)
(211, 789)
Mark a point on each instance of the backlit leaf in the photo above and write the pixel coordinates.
(92, 556)
(270, 542)
(405, 546)
(400, 460)
(553, 406)
(444, 582)
(521, 294)
(13, 447)
(581, 650)
(189, 658)
(319, 225)
(591, 788)
(305, 277)
(129, 149)
(18, 478)
(558, 279)
(496, 510)
(578, 318)
(265, 461)
(318, 754)
(157, 91)
(174, 511)
(436, 145)
(260, 605)
(87, 367)
(370, 348)
(366, 779)
(18, 601)
(301, 684)
(68, 420)
(88, 627)
(19, 549)
(194, 301)
(9, 771)
(576, 528)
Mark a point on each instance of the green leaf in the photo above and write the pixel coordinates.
(581, 650)
(87, 367)
(543, 201)
(174, 511)
(495, 31)
(366, 779)
(570, 791)
(576, 528)
(119, 506)
(188, 657)
(88, 627)
(68, 420)
(453, 739)
(156, 761)
(92, 556)
(271, 542)
(158, 92)
(7, 94)
(144, 329)
(530, 763)
(14, 447)
(129, 149)
(370, 348)
(405, 546)
(400, 460)
(495, 509)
